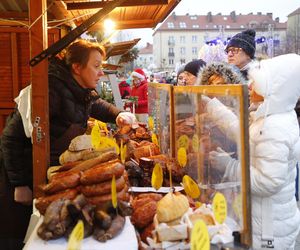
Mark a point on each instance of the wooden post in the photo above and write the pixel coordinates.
(40, 105)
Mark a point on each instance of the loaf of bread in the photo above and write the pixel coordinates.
(171, 207)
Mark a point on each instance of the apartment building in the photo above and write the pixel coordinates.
(180, 37)
(293, 32)
(145, 59)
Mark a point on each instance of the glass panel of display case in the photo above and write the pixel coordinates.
(211, 127)
(159, 103)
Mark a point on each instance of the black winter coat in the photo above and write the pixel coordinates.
(16, 152)
(70, 106)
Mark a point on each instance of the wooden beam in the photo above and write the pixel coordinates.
(40, 105)
(59, 11)
(14, 15)
(14, 66)
(102, 4)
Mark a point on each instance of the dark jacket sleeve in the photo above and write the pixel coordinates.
(297, 109)
(17, 151)
(104, 111)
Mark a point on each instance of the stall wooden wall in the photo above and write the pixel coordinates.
(14, 65)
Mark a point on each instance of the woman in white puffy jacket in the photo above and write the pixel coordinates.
(274, 149)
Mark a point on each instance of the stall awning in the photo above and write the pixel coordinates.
(120, 48)
(130, 14)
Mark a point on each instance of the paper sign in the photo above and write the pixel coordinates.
(190, 187)
(107, 142)
(181, 156)
(76, 237)
(183, 142)
(123, 152)
(95, 135)
(154, 139)
(195, 143)
(157, 176)
(102, 126)
(114, 192)
(151, 123)
(200, 237)
(219, 207)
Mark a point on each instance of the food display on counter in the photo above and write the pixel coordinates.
(81, 189)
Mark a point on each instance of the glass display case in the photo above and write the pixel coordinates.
(208, 127)
(160, 105)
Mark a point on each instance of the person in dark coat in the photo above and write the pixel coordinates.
(72, 100)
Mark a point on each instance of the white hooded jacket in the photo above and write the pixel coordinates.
(274, 149)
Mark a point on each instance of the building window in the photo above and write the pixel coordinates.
(194, 39)
(171, 50)
(194, 50)
(170, 25)
(215, 27)
(225, 18)
(182, 51)
(227, 26)
(151, 59)
(182, 39)
(195, 26)
(171, 61)
(182, 25)
(182, 61)
(193, 17)
(242, 26)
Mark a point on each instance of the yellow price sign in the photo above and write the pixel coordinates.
(200, 237)
(183, 142)
(195, 143)
(102, 126)
(107, 142)
(114, 199)
(182, 156)
(154, 139)
(95, 136)
(219, 205)
(190, 187)
(151, 123)
(237, 206)
(123, 152)
(157, 176)
(76, 237)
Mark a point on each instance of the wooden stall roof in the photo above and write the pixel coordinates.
(131, 14)
(108, 66)
(119, 48)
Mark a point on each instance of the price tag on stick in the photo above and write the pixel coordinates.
(114, 199)
(157, 176)
(200, 237)
(219, 207)
(76, 237)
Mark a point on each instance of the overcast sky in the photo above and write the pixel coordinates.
(279, 8)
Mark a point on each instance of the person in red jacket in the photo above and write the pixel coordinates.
(140, 91)
(125, 89)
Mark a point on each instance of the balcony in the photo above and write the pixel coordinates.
(171, 54)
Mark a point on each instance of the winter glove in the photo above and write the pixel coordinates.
(125, 118)
(219, 159)
(23, 195)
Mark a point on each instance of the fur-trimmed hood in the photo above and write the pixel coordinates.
(230, 73)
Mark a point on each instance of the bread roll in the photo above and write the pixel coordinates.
(171, 207)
